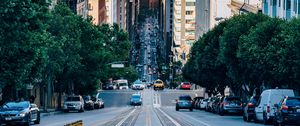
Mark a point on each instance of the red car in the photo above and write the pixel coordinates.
(185, 85)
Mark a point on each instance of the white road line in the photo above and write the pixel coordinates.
(204, 123)
(124, 119)
(175, 122)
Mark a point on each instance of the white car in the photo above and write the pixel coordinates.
(203, 103)
(74, 103)
(264, 110)
(138, 85)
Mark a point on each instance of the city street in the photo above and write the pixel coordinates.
(158, 109)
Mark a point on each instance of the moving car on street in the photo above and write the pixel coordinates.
(136, 99)
(184, 102)
(158, 84)
(248, 113)
(138, 85)
(185, 85)
(74, 103)
(287, 112)
(20, 113)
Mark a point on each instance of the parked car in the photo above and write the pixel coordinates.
(88, 102)
(209, 103)
(20, 113)
(98, 102)
(248, 111)
(109, 86)
(203, 104)
(185, 85)
(184, 102)
(136, 99)
(230, 104)
(265, 109)
(216, 104)
(196, 102)
(74, 103)
(287, 112)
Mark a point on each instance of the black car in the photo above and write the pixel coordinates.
(108, 87)
(88, 102)
(248, 113)
(21, 113)
(287, 111)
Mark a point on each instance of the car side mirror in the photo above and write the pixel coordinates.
(276, 105)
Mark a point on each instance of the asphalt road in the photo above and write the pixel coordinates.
(158, 109)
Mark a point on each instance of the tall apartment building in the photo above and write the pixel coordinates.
(244, 6)
(79, 7)
(209, 13)
(166, 23)
(116, 12)
(97, 10)
(183, 29)
(281, 8)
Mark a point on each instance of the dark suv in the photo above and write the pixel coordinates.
(184, 102)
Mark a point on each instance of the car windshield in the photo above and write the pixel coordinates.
(293, 102)
(73, 99)
(185, 98)
(18, 105)
(136, 97)
(123, 84)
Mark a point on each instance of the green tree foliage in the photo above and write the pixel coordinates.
(250, 49)
(58, 47)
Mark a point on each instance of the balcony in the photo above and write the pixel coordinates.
(190, 37)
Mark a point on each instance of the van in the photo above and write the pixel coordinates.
(265, 109)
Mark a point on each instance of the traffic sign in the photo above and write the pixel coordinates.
(117, 65)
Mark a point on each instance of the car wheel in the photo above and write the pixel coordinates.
(81, 110)
(221, 112)
(28, 121)
(255, 119)
(244, 118)
(37, 121)
(177, 109)
(66, 111)
(265, 120)
(191, 109)
(103, 106)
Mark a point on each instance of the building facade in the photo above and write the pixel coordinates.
(97, 11)
(79, 7)
(286, 9)
(183, 29)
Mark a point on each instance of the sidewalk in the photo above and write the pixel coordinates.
(49, 112)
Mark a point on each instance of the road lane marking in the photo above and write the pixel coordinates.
(126, 117)
(199, 121)
(175, 122)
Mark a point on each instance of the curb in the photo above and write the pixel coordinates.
(50, 113)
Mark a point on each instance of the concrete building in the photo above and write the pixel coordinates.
(116, 12)
(80, 7)
(210, 13)
(183, 29)
(97, 11)
(242, 6)
(286, 9)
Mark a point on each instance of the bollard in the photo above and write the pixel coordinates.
(77, 123)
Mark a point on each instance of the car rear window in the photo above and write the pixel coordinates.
(73, 99)
(186, 83)
(232, 99)
(185, 98)
(293, 102)
(159, 82)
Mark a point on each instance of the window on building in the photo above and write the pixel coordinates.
(279, 3)
(178, 3)
(295, 6)
(288, 4)
(90, 7)
(190, 3)
(178, 12)
(274, 3)
(299, 8)
(189, 12)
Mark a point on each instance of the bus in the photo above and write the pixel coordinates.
(122, 84)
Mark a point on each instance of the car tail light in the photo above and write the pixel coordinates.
(250, 105)
(191, 101)
(268, 109)
(284, 107)
(241, 104)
